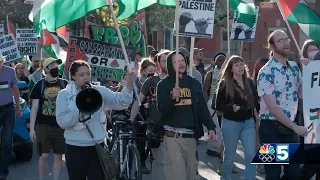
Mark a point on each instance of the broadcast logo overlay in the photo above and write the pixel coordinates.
(274, 154)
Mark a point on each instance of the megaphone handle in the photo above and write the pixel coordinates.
(136, 93)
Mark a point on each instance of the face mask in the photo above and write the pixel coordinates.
(54, 72)
(311, 54)
(150, 74)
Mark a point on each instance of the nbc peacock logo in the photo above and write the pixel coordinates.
(266, 153)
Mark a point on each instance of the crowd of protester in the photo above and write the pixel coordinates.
(232, 103)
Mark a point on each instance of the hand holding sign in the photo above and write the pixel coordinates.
(131, 78)
(305, 61)
(175, 94)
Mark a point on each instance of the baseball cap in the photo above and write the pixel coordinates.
(51, 60)
(196, 50)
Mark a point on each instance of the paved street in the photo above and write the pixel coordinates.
(207, 167)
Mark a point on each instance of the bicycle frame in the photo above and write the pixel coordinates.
(123, 160)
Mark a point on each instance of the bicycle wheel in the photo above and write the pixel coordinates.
(114, 150)
(133, 163)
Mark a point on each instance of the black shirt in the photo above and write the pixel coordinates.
(47, 104)
(182, 115)
(149, 91)
(225, 105)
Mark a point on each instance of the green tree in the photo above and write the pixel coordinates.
(159, 17)
(17, 12)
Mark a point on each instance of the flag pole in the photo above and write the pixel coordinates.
(290, 30)
(7, 18)
(177, 13)
(228, 24)
(135, 89)
(191, 55)
(177, 40)
(241, 48)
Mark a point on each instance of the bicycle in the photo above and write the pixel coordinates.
(123, 148)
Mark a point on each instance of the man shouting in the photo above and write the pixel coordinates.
(183, 111)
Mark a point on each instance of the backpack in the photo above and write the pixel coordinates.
(151, 99)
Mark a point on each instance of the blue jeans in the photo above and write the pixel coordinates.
(232, 132)
(7, 121)
(269, 135)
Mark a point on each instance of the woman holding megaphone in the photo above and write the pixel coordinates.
(81, 112)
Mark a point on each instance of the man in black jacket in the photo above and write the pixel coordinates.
(181, 120)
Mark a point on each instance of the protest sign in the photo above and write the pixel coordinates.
(133, 34)
(27, 41)
(8, 48)
(196, 18)
(241, 32)
(107, 60)
(1, 30)
(311, 101)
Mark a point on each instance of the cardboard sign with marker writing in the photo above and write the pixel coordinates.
(8, 48)
(27, 41)
(107, 60)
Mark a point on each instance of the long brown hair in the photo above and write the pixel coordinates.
(259, 64)
(227, 81)
(306, 45)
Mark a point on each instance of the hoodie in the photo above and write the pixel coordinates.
(191, 111)
(68, 118)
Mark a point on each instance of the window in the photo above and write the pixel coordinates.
(168, 39)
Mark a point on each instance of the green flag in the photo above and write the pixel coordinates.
(297, 11)
(246, 11)
(52, 14)
(128, 8)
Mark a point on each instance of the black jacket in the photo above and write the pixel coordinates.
(166, 104)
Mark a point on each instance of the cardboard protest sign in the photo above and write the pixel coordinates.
(1, 30)
(27, 41)
(196, 18)
(241, 32)
(133, 34)
(311, 103)
(8, 48)
(107, 60)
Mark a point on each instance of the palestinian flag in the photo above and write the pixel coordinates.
(297, 11)
(10, 28)
(4, 86)
(245, 10)
(128, 8)
(52, 14)
(314, 114)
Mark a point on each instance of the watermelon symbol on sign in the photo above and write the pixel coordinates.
(114, 63)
